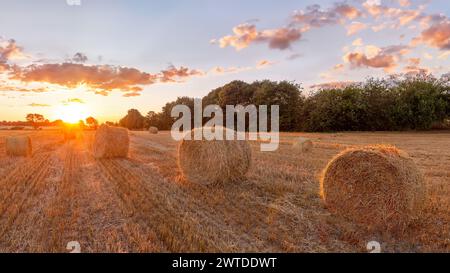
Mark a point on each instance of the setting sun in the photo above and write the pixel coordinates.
(71, 113)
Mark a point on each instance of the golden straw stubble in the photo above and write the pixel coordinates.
(377, 186)
(214, 161)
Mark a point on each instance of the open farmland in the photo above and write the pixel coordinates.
(142, 204)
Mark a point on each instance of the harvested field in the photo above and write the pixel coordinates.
(142, 204)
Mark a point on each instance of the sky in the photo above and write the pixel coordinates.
(69, 59)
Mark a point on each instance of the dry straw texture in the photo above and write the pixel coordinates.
(303, 144)
(377, 186)
(214, 161)
(111, 142)
(18, 146)
(153, 130)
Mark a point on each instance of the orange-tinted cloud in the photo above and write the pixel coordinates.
(385, 58)
(355, 27)
(10, 50)
(379, 61)
(98, 78)
(245, 34)
(332, 85)
(73, 100)
(404, 3)
(400, 16)
(264, 63)
(437, 35)
(70, 75)
(132, 94)
(413, 67)
(314, 16)
(11, 88)
(39, 105)
(173, 74)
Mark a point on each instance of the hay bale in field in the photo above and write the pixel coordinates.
(303, 144)
(18, 146)
(377, 186)
(110, 142)
(153, 130)
(214, 161)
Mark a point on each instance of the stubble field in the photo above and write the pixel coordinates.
(142, 203)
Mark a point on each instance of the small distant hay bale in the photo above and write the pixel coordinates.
(377, 186)
(111, 142)
(214, 161)
(18, 146)
(303, 144)
(153, 130)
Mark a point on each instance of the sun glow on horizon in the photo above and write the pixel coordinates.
(71, 113)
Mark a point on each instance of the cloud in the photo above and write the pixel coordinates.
(282, 38)
(173, 74)
(263, 64)
(437, 35)
(427, 56)
(314, 16)
(444, 55)
(79, 58)
(357, 42)
(70, 75)
(9, 50)
(38, 105)
(132, 94)
(338, 67)
(245, 34)
(332, 85)
(11, 88)
(375, 57)
(355, 27)
(400, 16)
(404, 3)
(219, 70)
(73, 100)
(294, 56)
(413, 67)
(100, 79)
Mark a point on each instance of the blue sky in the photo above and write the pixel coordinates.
(156, 36)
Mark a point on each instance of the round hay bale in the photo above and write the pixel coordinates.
(111, 142)
(18, 146)
(153, 130)
(214, 161)
(377, 186)
(303, 144)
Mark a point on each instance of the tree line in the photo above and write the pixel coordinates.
(418, 102)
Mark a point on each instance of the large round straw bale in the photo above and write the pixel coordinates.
(214, 161)
(18, 146)
(111, 142)
(303, 144)
(153, 130)
(377, 186)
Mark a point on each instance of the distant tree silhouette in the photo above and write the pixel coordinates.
(92, 123)
(133, 120)
(35, 120)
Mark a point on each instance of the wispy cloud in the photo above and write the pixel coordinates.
(39, 105)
